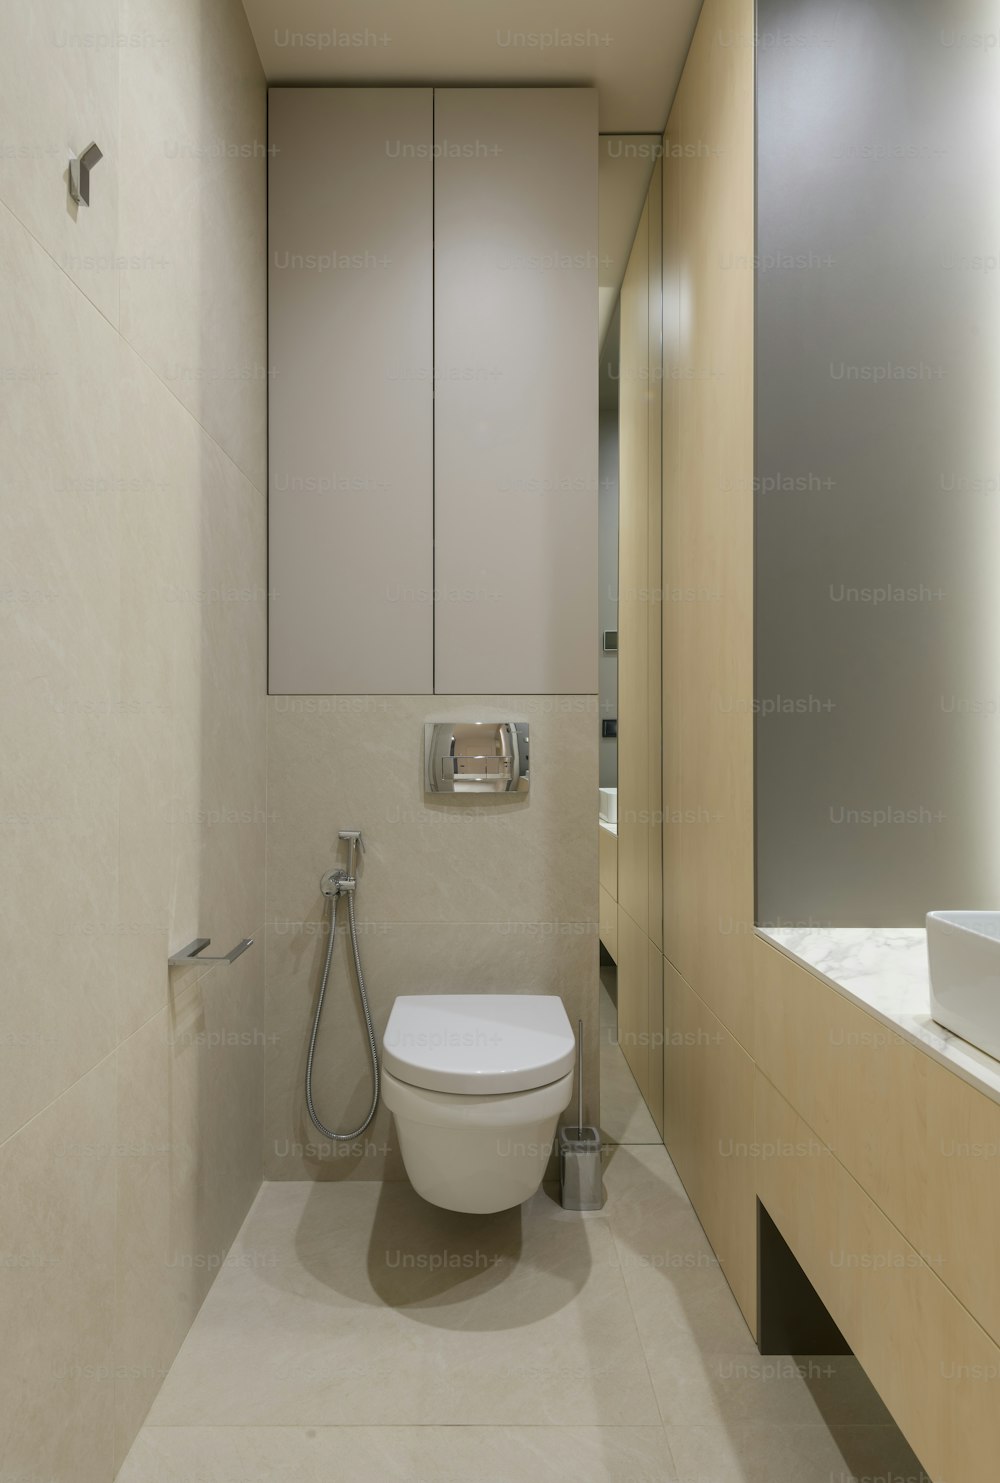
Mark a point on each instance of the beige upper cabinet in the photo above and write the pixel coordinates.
(433, 394)
(515, 315)
(350, 282)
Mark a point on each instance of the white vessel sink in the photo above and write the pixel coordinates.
(964, 952)
(609, 805)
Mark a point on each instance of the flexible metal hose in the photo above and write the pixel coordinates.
(372, 1046)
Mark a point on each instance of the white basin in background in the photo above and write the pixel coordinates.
(964, 952)
(609, 805)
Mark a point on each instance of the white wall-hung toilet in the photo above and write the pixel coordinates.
(476, 1083)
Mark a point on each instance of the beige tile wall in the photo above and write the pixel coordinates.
(132, 725)
(60, 89)
(498, 895)
(194, 307)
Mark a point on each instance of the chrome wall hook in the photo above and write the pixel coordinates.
(80, 167)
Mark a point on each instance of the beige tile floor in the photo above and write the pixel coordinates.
(625, 1117)
(358, 1333)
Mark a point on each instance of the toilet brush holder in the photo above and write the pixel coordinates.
(580, 1152)
(580, 1169)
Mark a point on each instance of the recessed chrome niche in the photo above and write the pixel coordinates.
(476, 757)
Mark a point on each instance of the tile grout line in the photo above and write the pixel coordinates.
(96, 1066)
(638, 1334)
(266, 928)
(378, 1426)
(193, 416)
(14, 216)
(125, 341)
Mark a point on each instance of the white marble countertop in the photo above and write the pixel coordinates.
(884, 970)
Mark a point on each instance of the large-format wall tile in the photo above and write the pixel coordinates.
(193, 680)
(192, 715)
(219, 770)
(161, 492)
(193, 215)
(133, 724)
(58, 723)
(59, 92)
(357, 762)
(473, 895)
(160, 1282)
(133, 599)
(189, 1115)
(57, 1285)
(398, 958)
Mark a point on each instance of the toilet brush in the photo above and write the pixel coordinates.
(580, 1152)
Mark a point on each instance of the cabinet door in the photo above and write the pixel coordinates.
(515, 224)
(350, 281)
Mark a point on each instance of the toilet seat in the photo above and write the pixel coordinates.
(478, 1045)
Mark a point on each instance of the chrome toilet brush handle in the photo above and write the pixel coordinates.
(579, 1076)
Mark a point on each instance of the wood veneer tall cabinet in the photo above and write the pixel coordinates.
(433, 408)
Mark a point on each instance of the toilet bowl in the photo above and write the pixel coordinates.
(476, 1083)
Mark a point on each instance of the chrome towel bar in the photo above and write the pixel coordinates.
(194, 953)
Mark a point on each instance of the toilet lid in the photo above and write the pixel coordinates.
(476, 1044)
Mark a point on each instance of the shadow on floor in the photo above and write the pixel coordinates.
(423, 1260)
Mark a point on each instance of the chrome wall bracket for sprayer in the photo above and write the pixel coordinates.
(338, 881)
